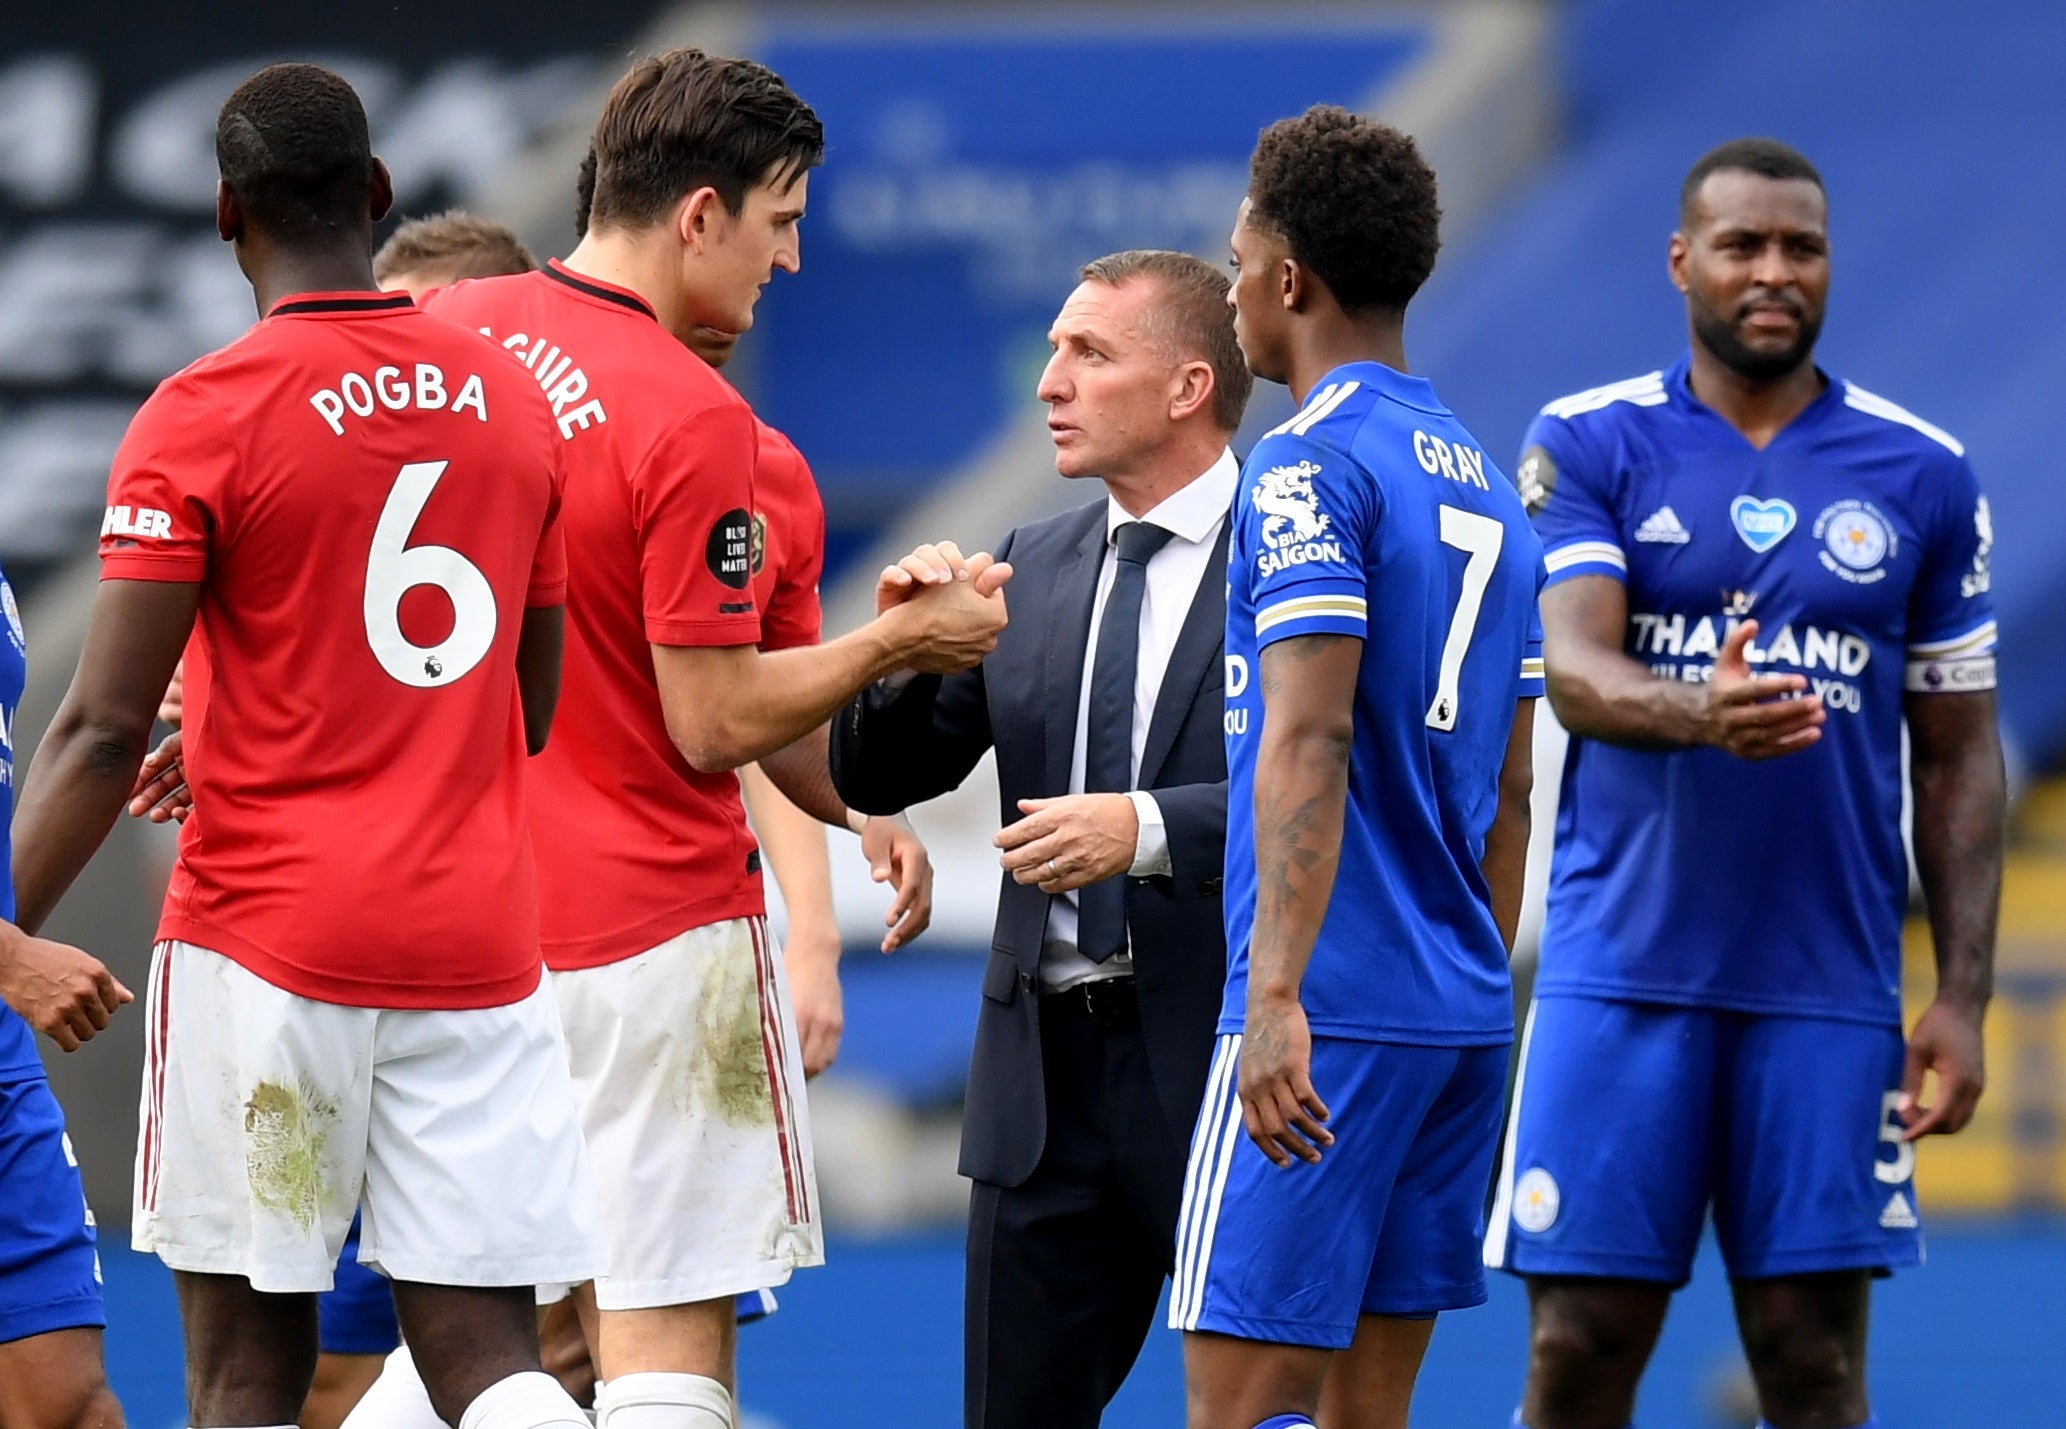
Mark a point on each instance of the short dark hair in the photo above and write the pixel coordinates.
(291, 142)
(584, 193)
(1194, 321)
(1355, 202)
(1767, 158)
(687, 120)
(455, 244)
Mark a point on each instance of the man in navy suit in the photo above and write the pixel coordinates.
(1103, 701)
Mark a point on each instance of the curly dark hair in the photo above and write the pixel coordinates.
(685, 119)
(1355, 202)
(292, 144)
(1767, 158)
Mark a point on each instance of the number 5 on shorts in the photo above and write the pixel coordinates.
(394, 568)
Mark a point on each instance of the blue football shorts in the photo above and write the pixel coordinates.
(49, 1269)
(356, 1316)
(1631, 1120)
(1387, 1223)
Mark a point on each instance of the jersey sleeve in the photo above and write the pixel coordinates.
(692, 514)
(795, 538)
(1306, 519)
(1567, 489)
(549, 567)
(169, 489)
(1951, 630)
(1534, 682)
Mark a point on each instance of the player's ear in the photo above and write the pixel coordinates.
(382, 197)
(696, 216)
(1190, 390)
(229, 214)
(1294, 285)
(1676, 255)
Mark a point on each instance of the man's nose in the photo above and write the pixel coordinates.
(1054, 385)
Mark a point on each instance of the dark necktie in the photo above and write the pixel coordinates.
(1108, 744)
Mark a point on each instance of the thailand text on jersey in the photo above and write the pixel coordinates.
(1859, 542)
(1373, 513)
(634, 845)
(368, 500)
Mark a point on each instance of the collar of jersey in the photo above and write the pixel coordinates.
(1678, 383)
(597, 288)
(319, 304)
(1401, 387)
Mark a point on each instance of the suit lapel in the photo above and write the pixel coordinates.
(1068, 635)
(1190, 663)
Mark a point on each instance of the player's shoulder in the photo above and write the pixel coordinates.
(1608, 404)
(1889, 426)
(781, 476)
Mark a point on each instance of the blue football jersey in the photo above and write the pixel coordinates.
(1373, 513)
(1859, 541)
(17, 1046)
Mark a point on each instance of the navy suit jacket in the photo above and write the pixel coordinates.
(894, 746)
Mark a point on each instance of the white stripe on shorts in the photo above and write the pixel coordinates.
(1501, 1219)
(1212, 1155)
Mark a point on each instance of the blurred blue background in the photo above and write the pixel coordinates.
(977, 156)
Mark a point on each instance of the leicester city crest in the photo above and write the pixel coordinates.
(1857, 541)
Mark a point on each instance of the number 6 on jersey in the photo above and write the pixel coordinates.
(394, 568)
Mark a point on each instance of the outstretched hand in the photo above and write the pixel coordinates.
(1755, 716)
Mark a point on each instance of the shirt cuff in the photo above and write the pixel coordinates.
(1151, 848)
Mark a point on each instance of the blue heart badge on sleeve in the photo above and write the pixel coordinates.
(1761, 524)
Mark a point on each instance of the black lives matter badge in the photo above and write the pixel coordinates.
(729, 552)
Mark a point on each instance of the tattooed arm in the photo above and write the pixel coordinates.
(1301, 791)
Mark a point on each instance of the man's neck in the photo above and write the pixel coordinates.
(278, 274)
(638, 261)
(1324, 342)
(1759, 408)
(1169, 470)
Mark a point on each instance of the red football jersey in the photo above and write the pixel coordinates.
(788, 544)
(368, 499)
(634, 846)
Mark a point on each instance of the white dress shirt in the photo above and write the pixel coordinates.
(1193, 516)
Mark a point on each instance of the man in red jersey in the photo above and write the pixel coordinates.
(682, 1041)
(346, 1010)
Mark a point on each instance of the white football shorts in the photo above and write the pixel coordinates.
(269, 1118)
(686, 1062)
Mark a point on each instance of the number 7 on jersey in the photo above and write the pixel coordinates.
(1478, 537)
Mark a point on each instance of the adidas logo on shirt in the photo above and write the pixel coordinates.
(1663, 527)
(1899, 1214)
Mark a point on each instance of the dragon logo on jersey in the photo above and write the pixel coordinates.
(1856, 541)
(1293, 523)
(1762, 524)
(1291, 509)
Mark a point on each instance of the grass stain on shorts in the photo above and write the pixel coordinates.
(285, 1131)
